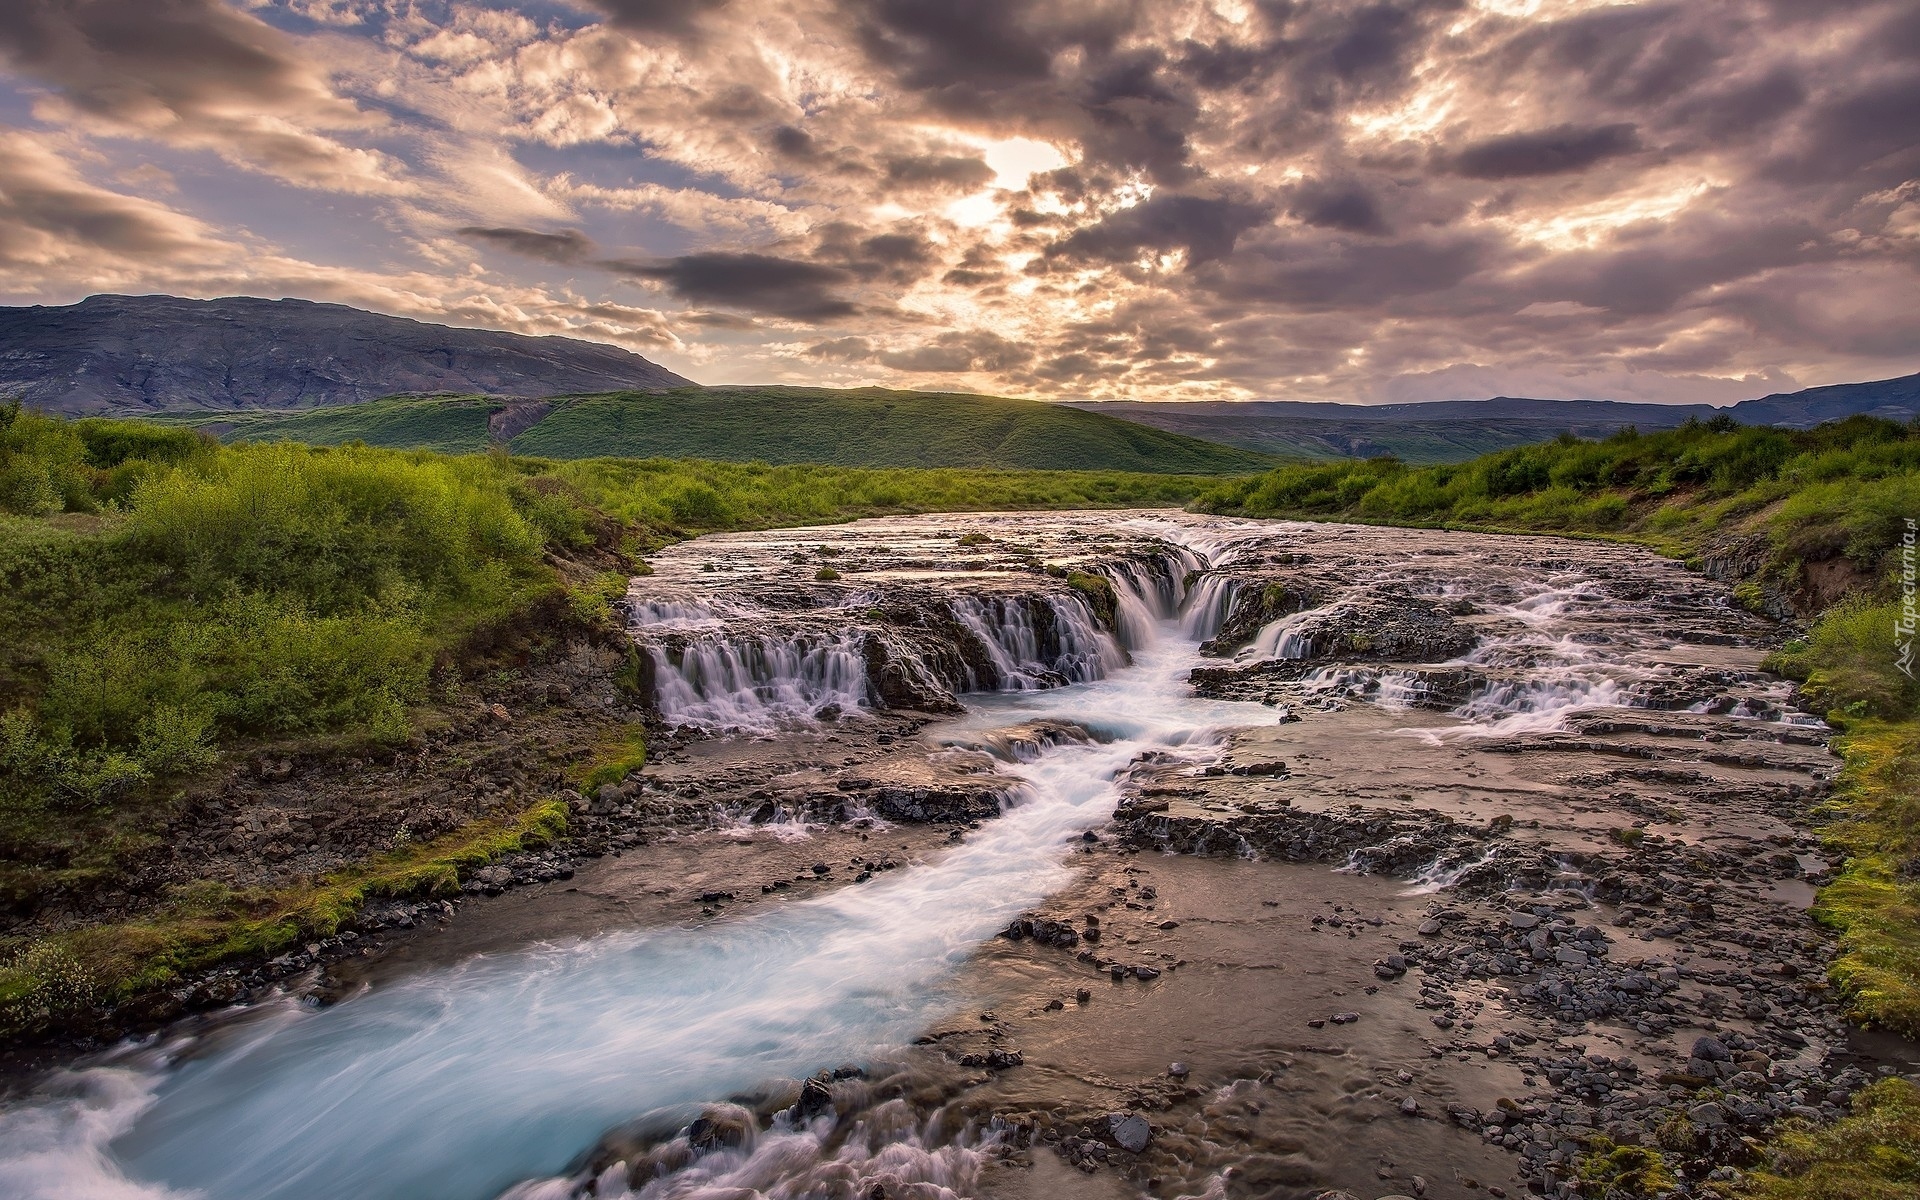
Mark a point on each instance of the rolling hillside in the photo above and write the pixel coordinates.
(868, 427)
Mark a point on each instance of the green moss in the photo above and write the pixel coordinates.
(1874, 901)
(1874, 1154)
(49, 979)
(1098, 590)
(1624, 1172)
(826, 574)
(616, 759)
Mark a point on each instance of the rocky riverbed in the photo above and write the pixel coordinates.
(1105, 854)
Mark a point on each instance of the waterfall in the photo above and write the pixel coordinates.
(735, 661)
(1280, 639)
(1065, 647)
(1208, 602)
(757, 682)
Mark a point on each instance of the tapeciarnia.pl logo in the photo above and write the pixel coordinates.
(1903, 628)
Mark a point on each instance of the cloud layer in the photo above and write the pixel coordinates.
(1404, 199)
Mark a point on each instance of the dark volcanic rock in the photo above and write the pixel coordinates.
(147, 353)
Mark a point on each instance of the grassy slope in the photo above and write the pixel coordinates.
(868, 427)
(449, 424)
(165, 600)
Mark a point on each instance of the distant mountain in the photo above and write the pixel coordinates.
(1894, 399)
(147, 354)
(865, 427)
(1456, 430)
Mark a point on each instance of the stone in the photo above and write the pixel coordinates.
(815, 1098)
(1178, 1070)
(1410, 1107)
(1711, 1049)
(1129, 1131)
(1429, 927)
(1522, 920)
(727, 1125)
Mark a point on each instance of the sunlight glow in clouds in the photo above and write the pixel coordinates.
(1407, 199)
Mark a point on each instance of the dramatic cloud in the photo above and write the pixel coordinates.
(1543, 152)
(1380, 200)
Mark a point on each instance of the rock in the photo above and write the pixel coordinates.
(1177, 1070)
(1711, 1049)
(1429, 927)
(1129, 1131)
(815, 1098)
(1146, 972)
(499, 713)
(1410, 1107)
(1522, 920)
(723, 1125)
(1344, 1018)
(493, 877)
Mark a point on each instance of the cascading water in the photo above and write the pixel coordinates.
(1071, 648)
(729, 662)
(1280, 639)
(498, 1073)
(757, 683)
(1205, 611)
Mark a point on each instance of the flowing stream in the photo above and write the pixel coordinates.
(506, 1075)
(471, 1081)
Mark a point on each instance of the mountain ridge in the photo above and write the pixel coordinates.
(132, 355)
(1454, 430)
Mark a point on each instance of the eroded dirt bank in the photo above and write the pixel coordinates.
(1449, 856)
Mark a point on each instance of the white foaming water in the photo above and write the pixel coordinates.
(1074, 649)
(472, 1080)
(1206, 609)
(1280, 639)
(758, 683)
(720, 669)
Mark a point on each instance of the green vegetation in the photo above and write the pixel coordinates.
(206, 923)
(1610, 1170)
(866, 427)
(1874, 1154)
(167, 598)
(449, 424)
(1875, 899)
(1838, 492)
(617, 759)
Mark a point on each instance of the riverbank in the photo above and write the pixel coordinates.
(243, 688)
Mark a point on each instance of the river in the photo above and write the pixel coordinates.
(666, 1059)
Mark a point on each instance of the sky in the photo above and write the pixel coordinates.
(1704, 200)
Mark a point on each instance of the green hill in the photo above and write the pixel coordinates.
(867, 427)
